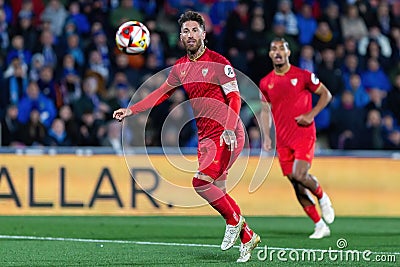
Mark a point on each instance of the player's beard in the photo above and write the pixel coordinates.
(193, 49)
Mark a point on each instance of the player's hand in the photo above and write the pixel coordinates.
(121, 113)
(229, 138)
(267, 143)
(304, 119)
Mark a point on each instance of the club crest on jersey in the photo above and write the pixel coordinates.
(183, 73)
(314, 79)
(204, 72)
(294, 81)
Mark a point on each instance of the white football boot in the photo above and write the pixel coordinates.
(327, 210)
(320, 231)
(232, 233)
(246, 248)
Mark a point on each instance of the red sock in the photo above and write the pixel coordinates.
(318, 192)
(246, 233)
(312, 213)
(216, 198)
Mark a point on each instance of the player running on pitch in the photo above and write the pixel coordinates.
(288, 89)
(210, 83)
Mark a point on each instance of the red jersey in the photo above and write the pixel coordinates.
(206, 81)
(290, 95)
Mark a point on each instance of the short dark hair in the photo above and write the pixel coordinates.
(280, 39)
(192, 16)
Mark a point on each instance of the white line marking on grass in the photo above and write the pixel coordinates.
(42, 238)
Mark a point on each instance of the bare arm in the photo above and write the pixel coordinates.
(151, 100)
(324, 98)
(265, 119)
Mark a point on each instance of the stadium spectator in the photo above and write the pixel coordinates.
(323, 38)
(26, 29)
(257, 40)
(113, 137)
(95, 63)
(8, 12)
(91, 130)
(374, 76)
(91, 100)
(307, 24)
(35, 100)
(393, 98)
(350, 66)
(219, 12)
(307, 58)
(122, 65)
(373, 134)
(330, 73)
(100, 43)
(78, 18)
(289, 86)
(331, 15)
(37, 63)
(285, 15)
(48, 48)
(69, 80)
(57, 135)
(236, 40)
(15, 83)
(71, 123)
(361, 97)
(124, 12)
(377, 100)
(48, 86)
(347, 124)
(18, 50)
(32, 132)
(382, 41)
(10, 126)
(74, 48)
(393, 139)
(352, 24)
(36, 7)
(56, 14)
(4, 34)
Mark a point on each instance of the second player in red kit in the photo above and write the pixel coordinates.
(288, 90)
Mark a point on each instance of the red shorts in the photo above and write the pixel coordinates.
(301, 149)
(215, 160)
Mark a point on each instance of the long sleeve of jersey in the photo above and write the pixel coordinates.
(234, 103)
(153, 99)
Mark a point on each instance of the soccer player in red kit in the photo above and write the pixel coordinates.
(288, 89)
(210, 83)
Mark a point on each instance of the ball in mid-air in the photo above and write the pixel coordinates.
(132, 37)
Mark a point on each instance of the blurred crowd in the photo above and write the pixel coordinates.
(61, 75)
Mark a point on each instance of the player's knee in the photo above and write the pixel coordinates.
(300, 175)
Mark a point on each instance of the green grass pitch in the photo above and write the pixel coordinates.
(191, 241)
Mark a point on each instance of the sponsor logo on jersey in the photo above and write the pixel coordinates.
(294, 81)
(229, 71)
(314, 79)
(270, 85)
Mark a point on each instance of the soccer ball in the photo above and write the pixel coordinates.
(132, 37)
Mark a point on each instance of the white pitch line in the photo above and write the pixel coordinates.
(42, 238)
